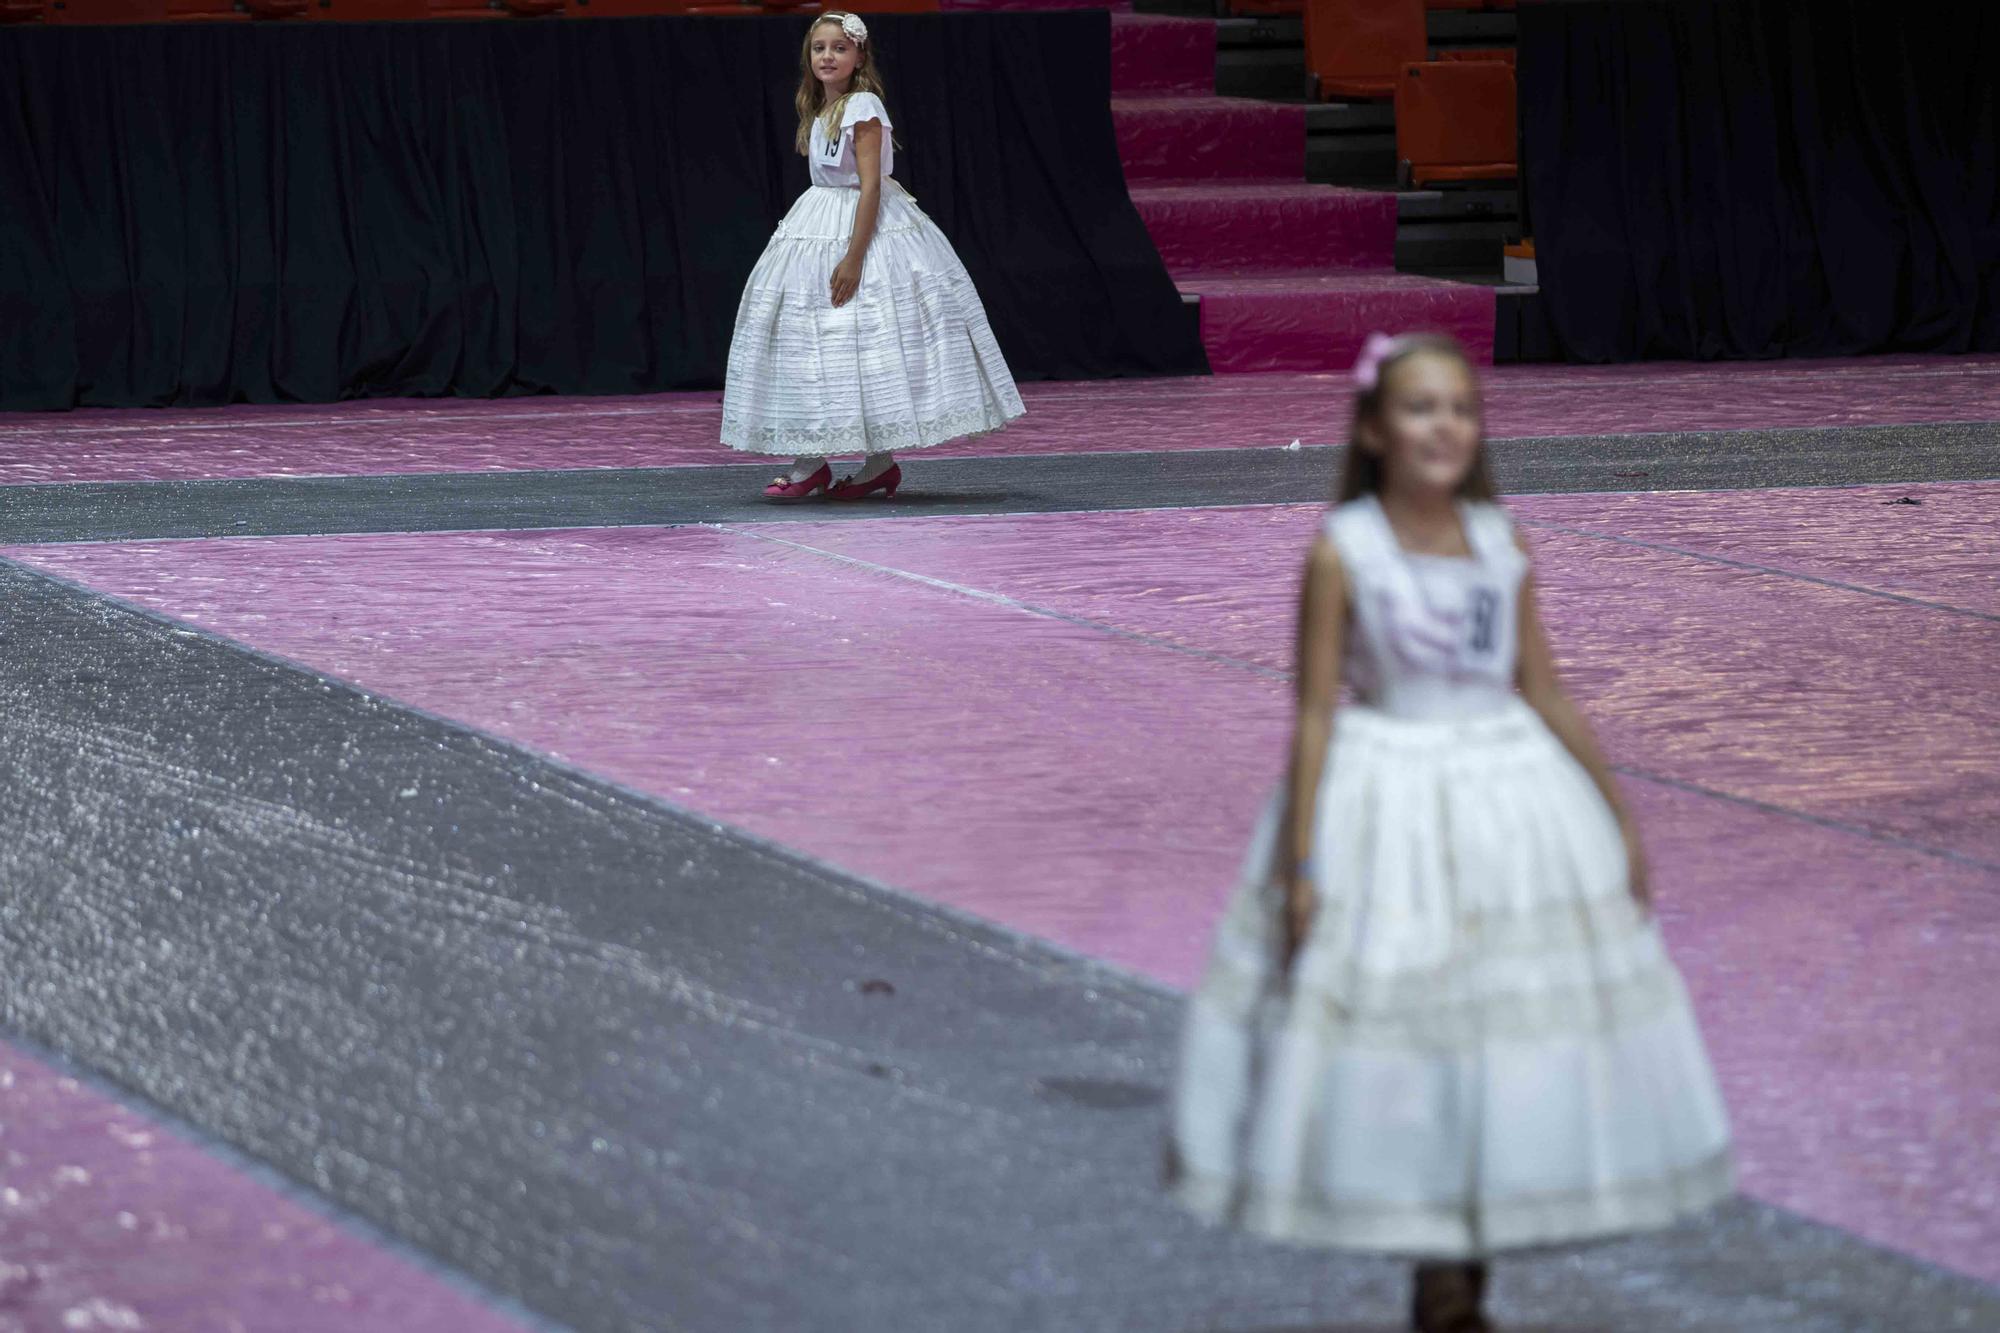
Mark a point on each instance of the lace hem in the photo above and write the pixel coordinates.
(1394, 1016)
(802, 237)
(1583, 926)
(1454, 1228)
(865, 436)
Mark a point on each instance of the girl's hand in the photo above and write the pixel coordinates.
(1635, 862)
(1300, 901)
(846, 281)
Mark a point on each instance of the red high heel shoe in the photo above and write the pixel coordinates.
(850, 489)
(783, 490)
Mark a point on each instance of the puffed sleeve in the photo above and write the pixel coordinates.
(863, 107)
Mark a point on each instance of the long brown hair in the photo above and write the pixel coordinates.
(811, 100)
(1362, 473)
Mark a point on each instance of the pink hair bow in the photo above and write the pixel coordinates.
(1368, 366)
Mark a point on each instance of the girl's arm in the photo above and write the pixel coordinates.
(1322, 630)
(868, 161)
(1544, 693)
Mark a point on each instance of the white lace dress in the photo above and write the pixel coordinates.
(1482, 1044)
(909, 362)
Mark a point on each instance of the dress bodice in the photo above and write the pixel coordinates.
(832, 155)
(1432, 637)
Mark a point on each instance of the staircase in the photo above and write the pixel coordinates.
(1289, 275)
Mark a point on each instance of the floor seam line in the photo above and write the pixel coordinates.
(1223, 659)
(1755, 568)
(1676, 784)
(1002, 600)
(1818, 821)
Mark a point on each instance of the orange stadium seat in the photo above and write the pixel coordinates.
(1358, 48)
(625, 8)
(107, 11)
(368, 11)
(207, 11)
(1455, 121)
(1504, 54)
(493, 9)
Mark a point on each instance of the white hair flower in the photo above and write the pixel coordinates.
(852, 25)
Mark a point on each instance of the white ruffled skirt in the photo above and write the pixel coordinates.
(909, 362)
(1483, 1044)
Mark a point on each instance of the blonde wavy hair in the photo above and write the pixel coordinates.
(811, 99)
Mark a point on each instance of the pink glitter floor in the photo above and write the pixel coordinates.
(110, 1222)
(1064, 722)
(680, 430)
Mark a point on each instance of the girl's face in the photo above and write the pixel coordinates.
(834, 58)
(1427, 432)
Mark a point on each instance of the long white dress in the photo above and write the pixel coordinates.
(908, 362)
(1482, 1044)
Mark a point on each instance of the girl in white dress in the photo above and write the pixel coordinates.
(1439, 1020)
(859, 331)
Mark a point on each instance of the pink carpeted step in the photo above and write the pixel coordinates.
(1209, 138)
(1221, 226)
(1318, 321)
(1152, 54)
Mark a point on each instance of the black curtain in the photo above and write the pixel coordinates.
(199, 215)
(1762, 178)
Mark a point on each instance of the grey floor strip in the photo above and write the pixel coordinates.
(430, 502)
(640, 1071)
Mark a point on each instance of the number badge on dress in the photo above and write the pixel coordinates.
(1485, 609)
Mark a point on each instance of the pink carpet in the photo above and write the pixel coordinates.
(110, 1221)
(1076, 715)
